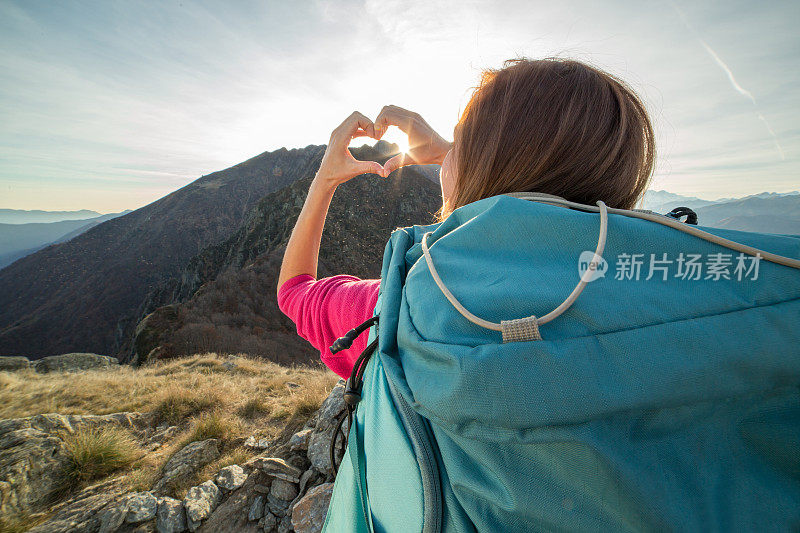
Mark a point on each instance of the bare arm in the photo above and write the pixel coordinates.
(338, 165)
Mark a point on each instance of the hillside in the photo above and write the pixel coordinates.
(84, 294)
(124, 449)
(226, 295)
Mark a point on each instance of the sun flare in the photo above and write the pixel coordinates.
(395, 135)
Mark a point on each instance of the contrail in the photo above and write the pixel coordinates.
(741, 90)
(774, 137)
(738, 88)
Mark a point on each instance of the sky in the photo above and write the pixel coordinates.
(110, 105)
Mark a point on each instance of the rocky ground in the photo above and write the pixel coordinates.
(269, 482)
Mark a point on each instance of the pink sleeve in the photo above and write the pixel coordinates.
(326, 309)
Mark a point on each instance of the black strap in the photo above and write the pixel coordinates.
(352, 388)
(679, 212)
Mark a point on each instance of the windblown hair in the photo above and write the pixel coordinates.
(553, 126)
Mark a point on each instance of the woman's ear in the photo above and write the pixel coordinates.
(447, 176)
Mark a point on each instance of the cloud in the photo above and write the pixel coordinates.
(157, 94)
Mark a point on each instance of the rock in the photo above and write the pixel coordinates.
(283, 489)
(307, 476)
(308, 514)
(124, 420)
(277, 506)
(163, 434)
(186, 462)
(299, 440)
(112, 517)
(199, 502)
(268, 522)
(261, 489)
(30, 464)
(278, 468)
(32, 456)
(171, 516)
(14, 363)
(231, 477)
(257, 509)
(142, 507)
(231, 515)
(149, 333)
(332, 406)
(286, 524)
(319, 440)
(256, 444)
(319, 447)
(101, 506)
(74, 362)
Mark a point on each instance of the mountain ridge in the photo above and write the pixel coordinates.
(30, 216)
(75, 296)
(225, 298)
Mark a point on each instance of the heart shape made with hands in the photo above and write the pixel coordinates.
(394, 135)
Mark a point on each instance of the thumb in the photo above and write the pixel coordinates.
(369, 167)
(400, 160)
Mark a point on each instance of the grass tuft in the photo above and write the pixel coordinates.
(94, 453)
(214, 425)
(177, 404)
(254, 408)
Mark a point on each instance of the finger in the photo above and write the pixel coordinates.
(366, 167)
(392, 115)
(360, 133)
(400, 160)
(352, 124)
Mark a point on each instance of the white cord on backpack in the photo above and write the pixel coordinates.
(523, 329)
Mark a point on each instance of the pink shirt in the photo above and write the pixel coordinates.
(326, 309)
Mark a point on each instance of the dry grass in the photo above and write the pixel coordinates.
(177, 389)
(204, 395)
(215, 425)
(94, 453)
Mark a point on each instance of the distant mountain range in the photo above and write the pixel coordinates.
(20, 239)
(197, 269)
(766, 212)
(22, 216)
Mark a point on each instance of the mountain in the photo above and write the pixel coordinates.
(766, 212)
(761, 195)
(663, 201)
(225, 299)
(21, 216)
(83, 295)
(19, 240)
(763, 213)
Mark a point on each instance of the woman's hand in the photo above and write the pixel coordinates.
(338, 164)
(425, 145)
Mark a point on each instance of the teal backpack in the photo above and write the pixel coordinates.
(523, 374)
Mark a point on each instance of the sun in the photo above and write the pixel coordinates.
(395, 135)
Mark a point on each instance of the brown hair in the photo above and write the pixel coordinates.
(553, 126)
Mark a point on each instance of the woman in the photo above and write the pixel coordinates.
(658, 404)
(552, 126)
